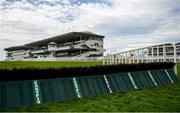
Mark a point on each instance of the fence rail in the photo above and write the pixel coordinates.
(66, 59)
(155, 53)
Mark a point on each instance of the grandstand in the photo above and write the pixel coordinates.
(67, 46)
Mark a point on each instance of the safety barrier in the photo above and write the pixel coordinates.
(28, 92)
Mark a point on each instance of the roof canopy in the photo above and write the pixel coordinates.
(57, 39)
(63, 38)
(13, 48)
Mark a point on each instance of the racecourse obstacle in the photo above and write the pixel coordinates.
(37, 86)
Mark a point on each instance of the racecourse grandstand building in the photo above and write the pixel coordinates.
(73, 44)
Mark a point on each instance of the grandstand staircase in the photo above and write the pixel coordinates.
(86, 54)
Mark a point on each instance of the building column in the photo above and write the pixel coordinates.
(164, 53)
(133, 57)
(110, 59)
(114, 56)
(107, 60)
(175, 59)
(113, 59)
(123, 62)
(157, 54)
(142, 56)
(152, 54)
(137, 56)
(147, 60)
(126, 60)
(121, 58)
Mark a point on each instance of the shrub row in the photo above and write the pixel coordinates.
(35, 73)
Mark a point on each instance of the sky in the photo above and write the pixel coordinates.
(126, 24)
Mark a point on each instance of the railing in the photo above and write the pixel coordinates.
(66, 59)
(141, 55)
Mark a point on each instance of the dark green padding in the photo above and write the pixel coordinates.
(142, 79)
(57, 89)
(14, 93)
(92, 85)
(119, 82)
(160, 77)
(172, 74)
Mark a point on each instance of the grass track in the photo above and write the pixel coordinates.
(162, 98)
(46, 64)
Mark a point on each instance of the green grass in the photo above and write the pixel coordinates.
(162, 98)
(46, 64)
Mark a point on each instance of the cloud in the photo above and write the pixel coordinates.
(125, 23)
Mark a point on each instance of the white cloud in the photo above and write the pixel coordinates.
(125, 23)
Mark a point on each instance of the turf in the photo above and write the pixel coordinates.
(46, 64)
(165, 98)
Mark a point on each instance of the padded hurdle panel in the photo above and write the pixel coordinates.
(120, 82)
(92, 85)
(16, 93)
(142, 79)
(28, 92)
(161, 77)
(57, 89)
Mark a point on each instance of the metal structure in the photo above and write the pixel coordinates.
(71, 45)
(167, 52)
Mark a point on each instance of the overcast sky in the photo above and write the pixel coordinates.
(124, 23)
